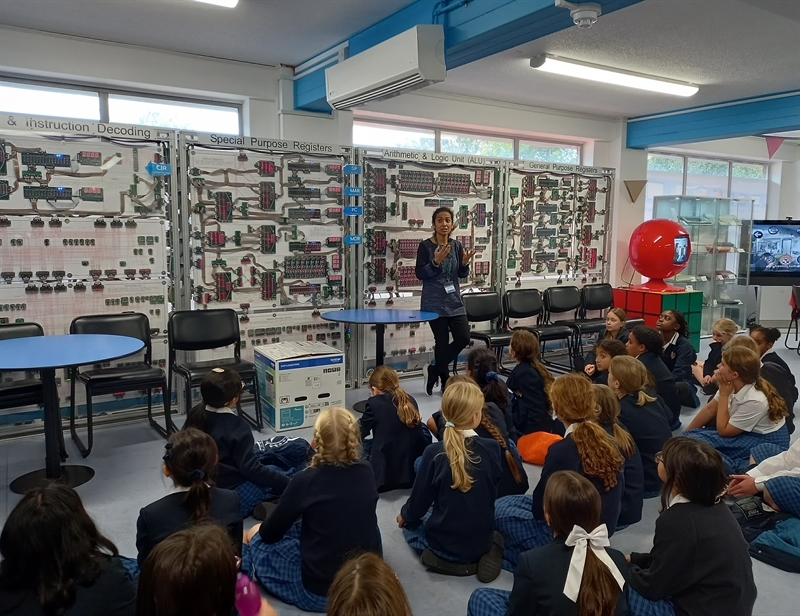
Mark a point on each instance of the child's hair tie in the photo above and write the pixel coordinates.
(449, 424)
(196, 474)
(168, 455)
(492, 376)
(217, 370)
(581, 420)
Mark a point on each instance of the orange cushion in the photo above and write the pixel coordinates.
(533, 447)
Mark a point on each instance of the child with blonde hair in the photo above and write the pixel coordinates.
(642, 414)
(746, 411)
(449, 516)
(296, 559)
(586, 449)
(367, 586)
(633, 495)
(398, 435)
(528, 382)
(722, 331)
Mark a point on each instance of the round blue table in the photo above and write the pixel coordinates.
(380, 318)
(46, 354)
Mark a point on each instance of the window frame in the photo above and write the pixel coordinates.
(103, 93)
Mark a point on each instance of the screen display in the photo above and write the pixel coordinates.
(775, 252)
(681, 247)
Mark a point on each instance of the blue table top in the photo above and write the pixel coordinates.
(373, 316)
(37, 352)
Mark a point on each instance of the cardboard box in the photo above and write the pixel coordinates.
(297, 381)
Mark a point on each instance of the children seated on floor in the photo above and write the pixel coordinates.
(456, 476)
(55, 561)
(605, 351)
(746, 411)
(643, 416)
(633, 495)
(645, 344)
(528, 383)
(367, 586)
(722, 331)
(699, 563)
(326, 514)
(258, 472)
(615, 330)
(398, 435)
(576, 573)
(586, 449)
(193, 573)
(678, 354)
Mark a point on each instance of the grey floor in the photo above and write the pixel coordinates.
(127, 460)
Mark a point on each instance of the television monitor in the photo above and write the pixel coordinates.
(680, 250)
(775, 252)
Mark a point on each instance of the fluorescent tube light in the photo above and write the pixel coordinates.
(582, 70)
(228, 4)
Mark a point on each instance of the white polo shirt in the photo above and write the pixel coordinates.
(786, 464)
(748, 410)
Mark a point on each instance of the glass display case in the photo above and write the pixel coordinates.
(718, 265)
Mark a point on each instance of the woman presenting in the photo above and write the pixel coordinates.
(441, 261)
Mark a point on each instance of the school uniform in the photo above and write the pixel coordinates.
(600, 377)
(539, 585)
(781, 380)
(395, 446)
(168, 515)
(650, 430)
(622, 336)
(459, 526)
(714, 358)
(296, 560)
(679, 357)
(112, 593)
(665, 384)
(779, 472)
(530, 408)
(748, 411)
(699, 562)
(633, 496)
(520, 519)
(772, 357)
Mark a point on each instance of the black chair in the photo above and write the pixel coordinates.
(525, 303)
(198, 330)
(99, 381)
(487, 307)
(14, 394)
(595, 297)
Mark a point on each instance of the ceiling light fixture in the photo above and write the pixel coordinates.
(228, 4)
(582, 70)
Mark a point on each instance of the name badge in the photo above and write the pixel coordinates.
(449, 287)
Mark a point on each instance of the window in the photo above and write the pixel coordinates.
(173, 114)
(550, 152)
(750, 180)
(664, 177)
(385, 136)
(707, 178)
(42, 100)
(495, 147)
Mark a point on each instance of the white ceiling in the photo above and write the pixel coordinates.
(262, 31)
(730, 48)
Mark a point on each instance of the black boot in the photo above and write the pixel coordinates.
(431, 378)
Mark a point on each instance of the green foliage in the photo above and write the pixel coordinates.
(547, 154)
(669, 164)
(455, 144)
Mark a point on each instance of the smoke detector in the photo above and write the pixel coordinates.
(584, 14)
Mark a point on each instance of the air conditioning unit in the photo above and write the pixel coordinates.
(401, 64)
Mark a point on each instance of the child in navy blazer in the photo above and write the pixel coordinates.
(449, 516)
(615, 330)
(605, 351)
(530, 407)
(678, 354)
(398, 435)
(645, 344)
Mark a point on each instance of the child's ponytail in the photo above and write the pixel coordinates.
(527, 349)
(337, 438)
(777, 405)
(608, 413)
(482, 365)
(492, 429)
(599, 590)
(460, 403)
(384, 378)
(631, 377)
(191, 459)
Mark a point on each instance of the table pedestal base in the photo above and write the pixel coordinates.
(71, 475)
(360, 406)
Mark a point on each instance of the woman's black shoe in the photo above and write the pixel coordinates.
(430, 380)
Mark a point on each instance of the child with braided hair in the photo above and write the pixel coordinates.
(458, 475)
(586, 449)
(296, 560)
(529, 381)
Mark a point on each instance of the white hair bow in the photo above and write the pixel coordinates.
(598, 540)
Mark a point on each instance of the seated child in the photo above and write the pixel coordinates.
(586, 449)
(55, 561)
(399, 436)
(641, 414)
(204, 586)
(765, 339)
(326, 514)
(530, 407)
(557, 579)
(776, 477)
(746, 411)
(678, 354)
(703, 571)
(242, 466)
(367, 586)
(615, 330)
(191, 462)
(703, 371)
(633, 496)
(458, 475)
(645, 343)
(605, 351)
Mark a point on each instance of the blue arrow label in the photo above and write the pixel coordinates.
(155, 169)
(351, 240)
(352, 191)
(352, 169)
(354, 210)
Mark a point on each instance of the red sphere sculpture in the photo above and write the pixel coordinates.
(659, 249)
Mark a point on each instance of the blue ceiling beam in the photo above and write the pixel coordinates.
(770, 113)
(473, 30)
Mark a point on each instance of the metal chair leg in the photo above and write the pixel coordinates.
(162, 431)
(73, 416)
